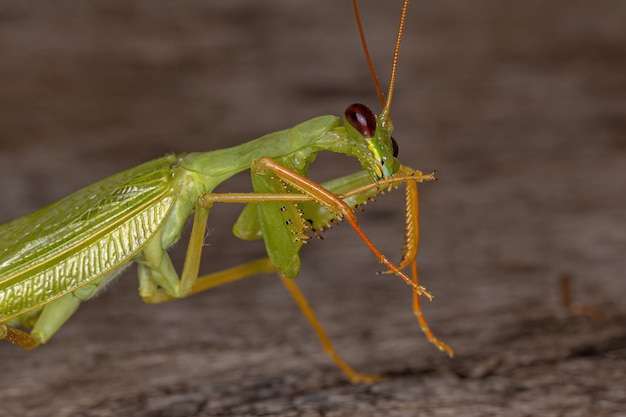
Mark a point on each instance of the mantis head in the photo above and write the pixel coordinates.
(375, 132)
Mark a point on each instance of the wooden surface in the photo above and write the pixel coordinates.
(518, 105)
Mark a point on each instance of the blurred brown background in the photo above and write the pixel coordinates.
(518, 105)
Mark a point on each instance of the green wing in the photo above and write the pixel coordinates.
(82, 237)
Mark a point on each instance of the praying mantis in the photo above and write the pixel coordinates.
(62, 255)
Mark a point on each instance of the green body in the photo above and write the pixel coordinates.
(61, 255)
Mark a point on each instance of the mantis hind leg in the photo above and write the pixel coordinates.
(48, 319)
(18, 337)
(51, 317)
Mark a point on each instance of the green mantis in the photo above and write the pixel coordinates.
(56, 258)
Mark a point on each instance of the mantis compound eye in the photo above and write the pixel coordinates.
(362, 119)
(395, 147)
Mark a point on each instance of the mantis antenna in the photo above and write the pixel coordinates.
(396, 52)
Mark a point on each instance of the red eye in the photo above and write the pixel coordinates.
(362, 119)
